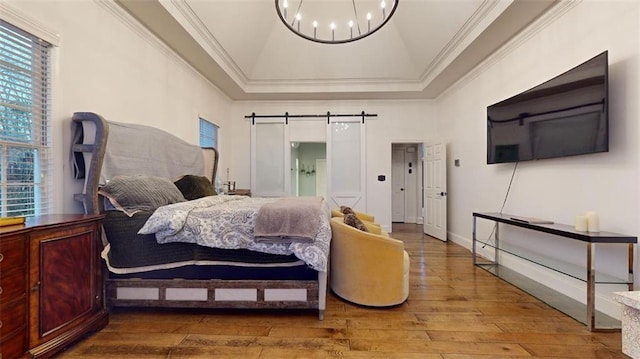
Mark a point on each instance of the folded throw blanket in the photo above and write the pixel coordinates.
(291, 219)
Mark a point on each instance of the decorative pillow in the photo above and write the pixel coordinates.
(194, 187)
(355, 222)
(131, 194)
(346, 210)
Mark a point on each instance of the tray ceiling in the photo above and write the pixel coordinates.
(242, 47)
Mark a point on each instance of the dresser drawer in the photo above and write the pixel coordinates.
(13, 253)
(14, 346)
(12, 284)
(12, 318)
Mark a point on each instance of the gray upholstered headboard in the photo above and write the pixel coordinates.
(103, 149)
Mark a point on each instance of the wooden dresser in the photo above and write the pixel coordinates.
(51, 284)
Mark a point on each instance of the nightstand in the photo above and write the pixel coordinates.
(51, 284)
(240, 192)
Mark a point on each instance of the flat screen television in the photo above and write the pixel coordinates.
(565, 116)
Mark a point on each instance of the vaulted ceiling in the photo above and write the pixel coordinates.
(243, 48)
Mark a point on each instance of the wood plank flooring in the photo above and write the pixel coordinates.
(454, 311)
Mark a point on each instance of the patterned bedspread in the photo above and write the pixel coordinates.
(228, 222)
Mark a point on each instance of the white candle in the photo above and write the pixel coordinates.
(581, 223)
(593, 222)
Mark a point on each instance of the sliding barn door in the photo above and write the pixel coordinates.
(346, 163)
(270, 158)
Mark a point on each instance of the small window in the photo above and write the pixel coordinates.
(208, 134)
(25, 144)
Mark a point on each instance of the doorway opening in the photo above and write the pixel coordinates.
(407, 183)
(308, 169)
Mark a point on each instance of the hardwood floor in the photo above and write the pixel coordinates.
(454, 310)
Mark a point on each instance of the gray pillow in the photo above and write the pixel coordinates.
(131, 194)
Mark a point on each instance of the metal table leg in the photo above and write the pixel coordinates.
(591, 288)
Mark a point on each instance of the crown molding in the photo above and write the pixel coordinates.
(130, 22)
(28, 24)
(338, 85)
(546, 19)
(136, 27)
(486, 13)
(187, 18)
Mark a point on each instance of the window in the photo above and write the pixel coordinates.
(208, 134)
(25, 152)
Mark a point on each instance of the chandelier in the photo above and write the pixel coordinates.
(335, 21)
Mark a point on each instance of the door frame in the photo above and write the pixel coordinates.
(419, 168)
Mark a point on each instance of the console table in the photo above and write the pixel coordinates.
(587, 275)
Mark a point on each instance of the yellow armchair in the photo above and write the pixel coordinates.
(367, 268)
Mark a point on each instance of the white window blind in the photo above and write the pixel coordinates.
(208, 134)
(25, 152)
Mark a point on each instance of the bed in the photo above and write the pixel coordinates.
(170, 242)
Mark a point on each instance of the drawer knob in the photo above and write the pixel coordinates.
(1, 290)
(0, 323)
(1, 257)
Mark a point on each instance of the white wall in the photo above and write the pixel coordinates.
(555, 189)
(397, 121)
(108, 64)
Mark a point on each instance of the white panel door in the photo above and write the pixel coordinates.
(346, 163)
(435, 190)
(270, 158)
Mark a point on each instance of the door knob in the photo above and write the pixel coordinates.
(443, 194)
(402, 189)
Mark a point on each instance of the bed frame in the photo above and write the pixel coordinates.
(91, 137)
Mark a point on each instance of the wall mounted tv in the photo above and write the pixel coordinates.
(565, 116)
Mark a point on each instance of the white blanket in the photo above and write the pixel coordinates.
(229, 222)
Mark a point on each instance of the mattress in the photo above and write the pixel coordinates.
(127, 252)
(225, 272)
